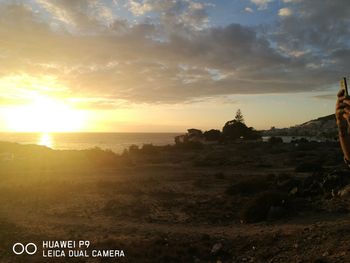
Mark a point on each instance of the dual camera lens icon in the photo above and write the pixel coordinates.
(29, 249)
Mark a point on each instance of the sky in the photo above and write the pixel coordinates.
(169, 65)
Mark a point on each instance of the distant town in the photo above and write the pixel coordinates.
(323, 127)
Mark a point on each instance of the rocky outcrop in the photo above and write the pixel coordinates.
(192, 135)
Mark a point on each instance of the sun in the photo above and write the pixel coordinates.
(44, 114)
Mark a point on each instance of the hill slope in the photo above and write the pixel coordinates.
(320, 127)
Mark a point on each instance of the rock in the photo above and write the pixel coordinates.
(325, 254)
(335, 180)
(344, 192)
(293, 191)
(288, 184)
(216, 248)
(313, 189)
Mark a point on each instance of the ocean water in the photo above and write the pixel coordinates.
(116, 142)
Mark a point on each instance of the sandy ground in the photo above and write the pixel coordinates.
(243, 202)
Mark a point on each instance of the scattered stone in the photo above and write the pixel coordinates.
(288, 184)
(345, 192)
(293, 191)
(325, 254)
(216, 248)
(335, 180)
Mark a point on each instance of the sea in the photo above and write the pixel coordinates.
(116, 142)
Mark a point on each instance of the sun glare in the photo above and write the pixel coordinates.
(45, 139)
(44, 115)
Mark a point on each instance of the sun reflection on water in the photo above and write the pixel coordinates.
(45, 139)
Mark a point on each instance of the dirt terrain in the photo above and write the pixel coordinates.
(238, 202)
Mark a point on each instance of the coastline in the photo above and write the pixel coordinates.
(116, 142)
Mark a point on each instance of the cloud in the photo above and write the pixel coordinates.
(140, 8)
(184, 12)
(79, 14)
(98, 103)
(292, 1)
(173, 59)
(262, 4)
(313, 25)
(285, 12)
(248, 10)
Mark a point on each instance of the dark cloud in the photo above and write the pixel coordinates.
(178, 60)
(79, 14)
(320, 30)
(174, 14)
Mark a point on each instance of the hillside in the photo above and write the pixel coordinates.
(324, 127)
